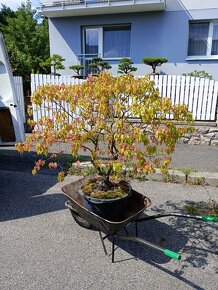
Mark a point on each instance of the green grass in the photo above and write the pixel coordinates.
(210, 208)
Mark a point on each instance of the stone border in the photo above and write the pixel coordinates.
(203, 135)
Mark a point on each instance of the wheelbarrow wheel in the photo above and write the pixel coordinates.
(80, 221)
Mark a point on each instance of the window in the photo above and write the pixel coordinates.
(91, 41)
(203, 39)
(107, 41)
(116, 42)
(214, 50)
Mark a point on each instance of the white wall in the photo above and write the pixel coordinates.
(172, 5)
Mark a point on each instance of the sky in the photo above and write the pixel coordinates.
(14, 4)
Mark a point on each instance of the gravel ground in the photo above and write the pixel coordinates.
(41, 247)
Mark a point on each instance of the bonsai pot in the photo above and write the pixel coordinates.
(79, 77)
(110, 209)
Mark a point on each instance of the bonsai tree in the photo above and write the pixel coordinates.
(102, 110)
(77, 68)
(154, 62)
(99, 65)
(55, 61)
(125, 66)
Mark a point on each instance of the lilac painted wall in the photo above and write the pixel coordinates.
(161, 34)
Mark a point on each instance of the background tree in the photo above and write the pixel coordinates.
(55, 61)
(5, 13)
(154, 62)
(26, 40)
(199, 74)
(126, 66)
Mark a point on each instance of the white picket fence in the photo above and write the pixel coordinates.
(18, 82)
(199, 94)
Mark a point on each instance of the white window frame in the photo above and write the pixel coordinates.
(100, 40)
(208, 55)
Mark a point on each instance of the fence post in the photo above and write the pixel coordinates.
(217, 114)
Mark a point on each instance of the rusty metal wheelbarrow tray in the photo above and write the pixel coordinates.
(131, 210)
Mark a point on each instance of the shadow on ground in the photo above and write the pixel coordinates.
(21, 194)
(195, 240)
(13, 161)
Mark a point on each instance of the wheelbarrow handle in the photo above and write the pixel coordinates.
(171, 254)
(166, 252)
(204, 218)
(207, 218)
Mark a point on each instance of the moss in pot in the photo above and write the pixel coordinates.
(107, 201)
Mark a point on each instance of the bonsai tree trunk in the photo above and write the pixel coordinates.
(154, 69)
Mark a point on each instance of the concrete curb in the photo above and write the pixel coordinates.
(174, 176)
(194, 178)
(204, 178)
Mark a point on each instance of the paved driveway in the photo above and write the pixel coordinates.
(41, 247)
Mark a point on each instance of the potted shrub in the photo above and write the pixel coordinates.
(119, 121)
(77, 69)
(126, 66)
(98, 65)
(154, 62)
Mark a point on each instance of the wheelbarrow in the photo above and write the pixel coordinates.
(131, 213)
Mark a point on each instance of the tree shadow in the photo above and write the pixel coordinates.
(197, 240)
(23, 195)
(12, 160)
(201, 235)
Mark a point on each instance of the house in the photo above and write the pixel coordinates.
(184, 31)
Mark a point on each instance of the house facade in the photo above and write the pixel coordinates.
(183, 31)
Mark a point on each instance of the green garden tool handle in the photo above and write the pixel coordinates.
(207, 218)
(171, 254)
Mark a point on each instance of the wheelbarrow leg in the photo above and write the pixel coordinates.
(136, 229)
(126, 231)
(104, 248)
(113, 248)
(102, 241)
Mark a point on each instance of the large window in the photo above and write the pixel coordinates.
(203, 39)
(108, 41)
(116, 42)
